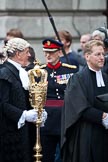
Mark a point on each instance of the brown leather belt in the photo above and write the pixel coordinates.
(54, 103)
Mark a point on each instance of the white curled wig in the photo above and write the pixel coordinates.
(15, 44)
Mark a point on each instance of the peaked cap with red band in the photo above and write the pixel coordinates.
(51, 45)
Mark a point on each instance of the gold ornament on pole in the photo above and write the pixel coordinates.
(38, 93)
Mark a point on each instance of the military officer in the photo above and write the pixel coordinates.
(58, 75)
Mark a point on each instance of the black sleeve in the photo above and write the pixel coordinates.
(93, 115)
(7, 109)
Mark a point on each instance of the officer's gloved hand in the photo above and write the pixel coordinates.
(105, 121)
(31, 115)
(44, 117)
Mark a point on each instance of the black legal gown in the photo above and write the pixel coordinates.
(83, 137)
(15, 144)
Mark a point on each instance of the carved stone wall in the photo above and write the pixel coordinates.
(77, 16)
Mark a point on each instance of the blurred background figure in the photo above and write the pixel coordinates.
(2, 55)
(31, 59)
(101, 33)
(12, 33)
(66, 39)
(83, 40)
(2, 59)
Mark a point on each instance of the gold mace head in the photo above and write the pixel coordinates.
(38, 87)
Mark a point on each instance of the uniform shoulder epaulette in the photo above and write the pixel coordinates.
(69, 66)
(43, 66)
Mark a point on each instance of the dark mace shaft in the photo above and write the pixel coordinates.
(55, 30)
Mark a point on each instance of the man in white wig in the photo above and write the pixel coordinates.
(16, 114)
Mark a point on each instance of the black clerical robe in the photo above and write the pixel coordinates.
(83, 137)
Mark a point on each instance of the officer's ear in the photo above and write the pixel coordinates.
(60, 53)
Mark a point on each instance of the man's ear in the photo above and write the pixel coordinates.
(86, 55)
(18, 55)
(68, 44)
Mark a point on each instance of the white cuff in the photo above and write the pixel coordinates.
(21, 121)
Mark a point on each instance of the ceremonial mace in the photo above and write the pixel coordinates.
(38, 93)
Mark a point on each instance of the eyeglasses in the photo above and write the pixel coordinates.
(99, 54)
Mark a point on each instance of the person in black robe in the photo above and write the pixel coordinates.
(84, 134)
(15, 111)
(105, 68)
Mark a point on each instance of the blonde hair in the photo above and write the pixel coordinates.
(90, 44)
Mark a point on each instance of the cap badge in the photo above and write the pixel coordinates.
(48, 43)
